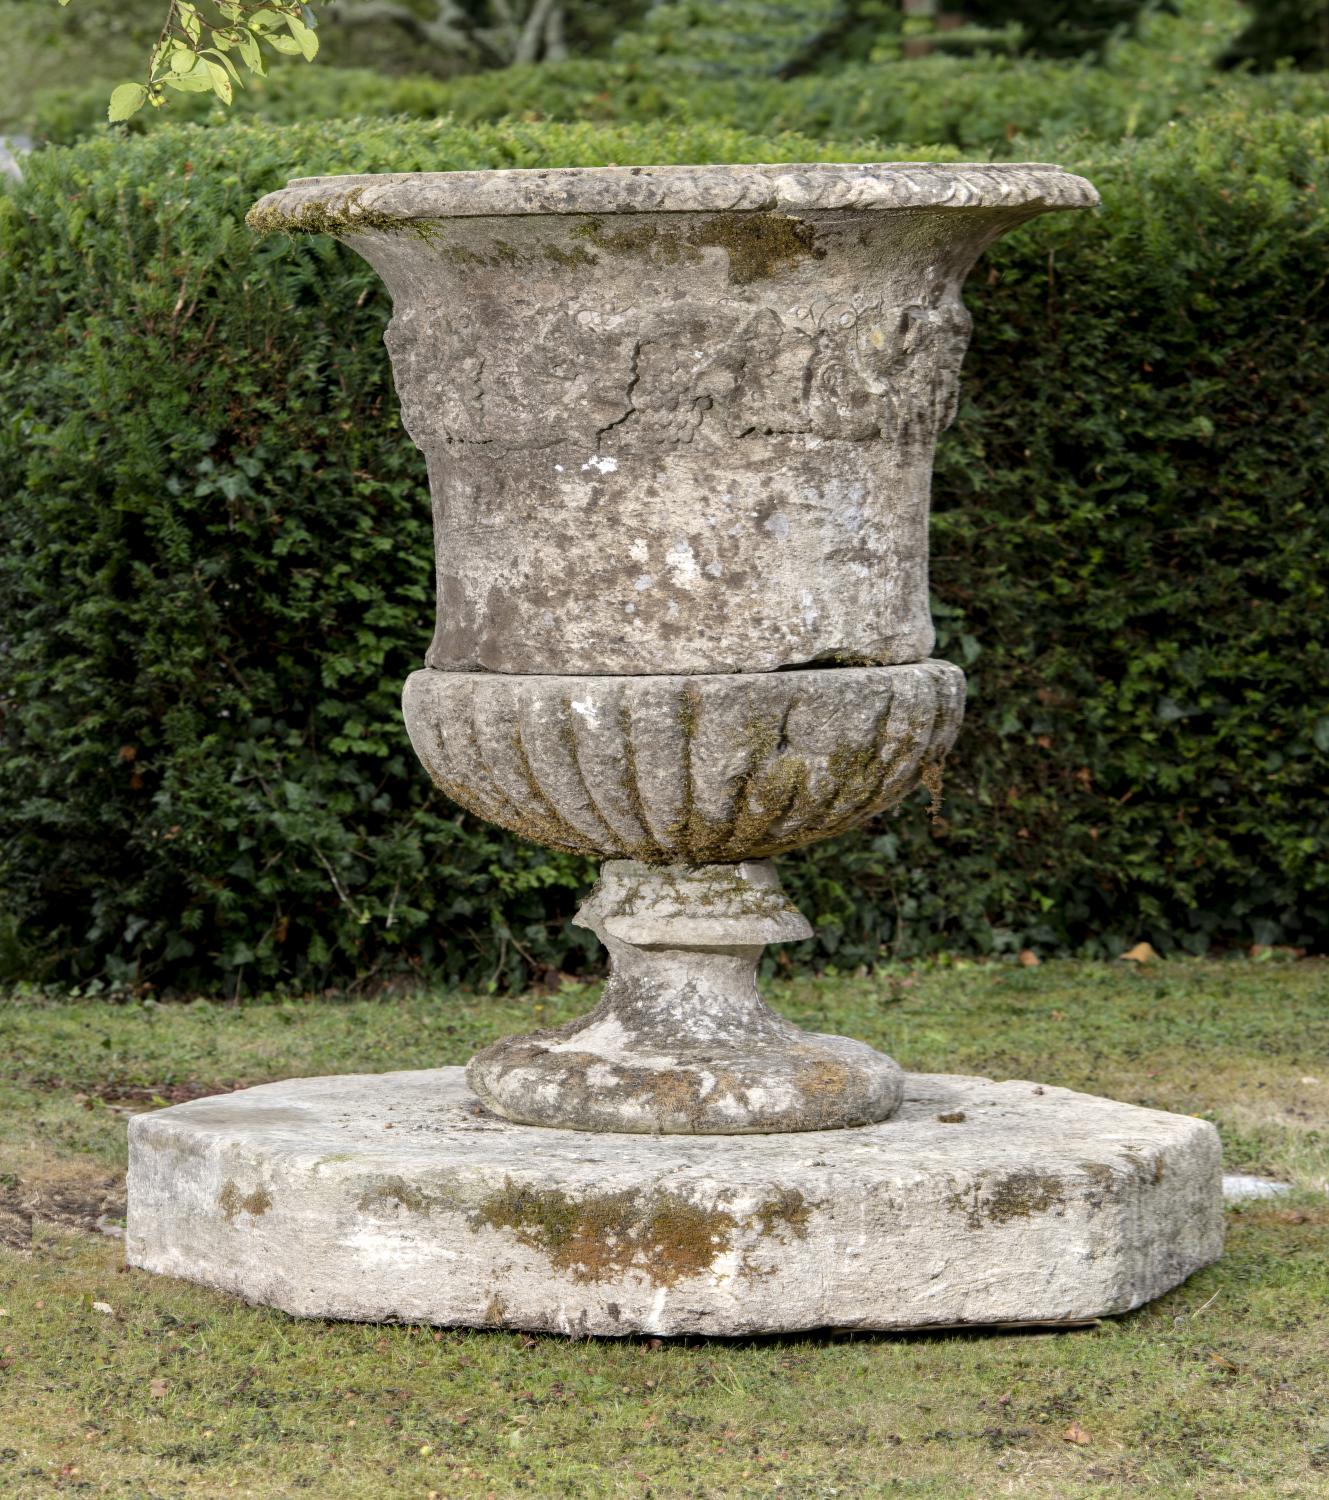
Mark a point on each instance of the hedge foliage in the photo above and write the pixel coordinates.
(215, 573)
(989, 106)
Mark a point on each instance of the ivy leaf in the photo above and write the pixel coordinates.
(125, 99)
(1320, 734)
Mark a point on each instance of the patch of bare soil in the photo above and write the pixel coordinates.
(152, 1096)
(74, 1195)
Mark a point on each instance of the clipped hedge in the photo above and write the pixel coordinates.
(990, 106)
(214, 574)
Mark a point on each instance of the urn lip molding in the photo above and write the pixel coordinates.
(1032, 187)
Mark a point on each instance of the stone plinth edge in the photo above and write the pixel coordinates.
(309, 202)
(978, 1203)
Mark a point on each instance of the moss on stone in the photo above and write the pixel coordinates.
(650, 851)
(788, 1211)
(232, 1201)
(758, 244)
(386, 1191)
(1099, 1173)
(1148, 1167)
(603, 1236)
(824, 1079)
(576, 256)
(646, 237)
(348, 217)
(1016, 1195)
(932, 777)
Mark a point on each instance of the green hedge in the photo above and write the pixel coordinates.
(215, 573)
(991, 106)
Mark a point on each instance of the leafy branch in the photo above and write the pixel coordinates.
(198, 52)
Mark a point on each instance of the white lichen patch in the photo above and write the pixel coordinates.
(682, 562)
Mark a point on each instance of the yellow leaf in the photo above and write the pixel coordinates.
(1142, 953)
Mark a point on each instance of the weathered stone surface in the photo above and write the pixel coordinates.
(681, 1041)
(382, 199)
(978, 1203)
(678, 420)
(1238, 1187)
(699, 769)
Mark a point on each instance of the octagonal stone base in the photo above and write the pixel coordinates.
(397, 1196)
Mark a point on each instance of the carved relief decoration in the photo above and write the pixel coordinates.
(624, 378)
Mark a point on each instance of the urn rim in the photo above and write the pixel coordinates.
(1023, 187)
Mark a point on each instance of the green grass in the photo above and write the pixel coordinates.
(1221, 1388)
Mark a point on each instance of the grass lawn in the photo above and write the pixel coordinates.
(118, 1383)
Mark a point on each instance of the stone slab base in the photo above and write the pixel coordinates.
(397, 1196)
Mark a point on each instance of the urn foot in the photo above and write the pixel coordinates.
(681, 1042)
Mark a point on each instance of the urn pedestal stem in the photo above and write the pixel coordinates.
(681, 1042)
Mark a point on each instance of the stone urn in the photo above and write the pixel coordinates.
(679, 425)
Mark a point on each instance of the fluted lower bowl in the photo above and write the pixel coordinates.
(696, 769)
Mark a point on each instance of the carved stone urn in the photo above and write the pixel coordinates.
(679, 425)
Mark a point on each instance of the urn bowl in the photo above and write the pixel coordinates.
(700, 769)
